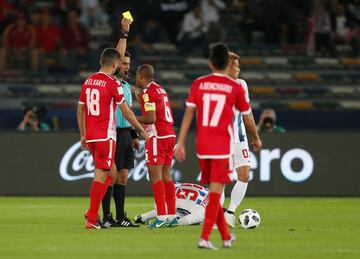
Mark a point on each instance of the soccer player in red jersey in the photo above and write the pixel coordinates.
(214, 98)
(100, 93)
(158, 120)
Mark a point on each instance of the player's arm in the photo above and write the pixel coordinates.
(130, 117)
(250, 126)
(184, 129)
(149, 118)
(125, 28)
(81, 124)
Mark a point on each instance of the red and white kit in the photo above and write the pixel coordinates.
(100, 93)
(160, 147)
(215, 96)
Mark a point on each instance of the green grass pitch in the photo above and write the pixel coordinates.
(290, 228)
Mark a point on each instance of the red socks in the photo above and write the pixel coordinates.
(221, 223)
(170, 197)
(97, 192)
(214, 213)
(96, 195)
(108, 181)
(159, 197)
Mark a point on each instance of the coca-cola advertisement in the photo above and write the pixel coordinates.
(295, 164)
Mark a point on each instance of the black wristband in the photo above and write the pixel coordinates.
(124, 34)
(133, 134)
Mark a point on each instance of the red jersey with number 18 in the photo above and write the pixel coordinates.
(100, 93)
(215, 96)
(155, 98)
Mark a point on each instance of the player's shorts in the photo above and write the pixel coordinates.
(241, 154)
(124, 154)
(103, 153)
(215, 170)
(159, 151)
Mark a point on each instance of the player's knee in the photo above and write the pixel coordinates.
(167, 178)
(122, 178)
(244, 174)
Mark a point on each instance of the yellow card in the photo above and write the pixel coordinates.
(127, 15)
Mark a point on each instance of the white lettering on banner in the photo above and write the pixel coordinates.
(83, 159)
(267, 156)
(304, 173)
(78, 164)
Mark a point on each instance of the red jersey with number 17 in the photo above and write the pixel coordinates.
(155, 98)
(215, 96)
(100, 93)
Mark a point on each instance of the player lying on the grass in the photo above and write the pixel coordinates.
(100, 93)
(191, 200)
(242, 159)
(157, 116)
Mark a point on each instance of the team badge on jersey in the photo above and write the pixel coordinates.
(146, 98)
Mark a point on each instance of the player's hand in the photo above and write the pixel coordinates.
(136, 143)
(125, 24)
(257, 144)
(83, 143)
(136, 93)
(179, 152)
(145, 135)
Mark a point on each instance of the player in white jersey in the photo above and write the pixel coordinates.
(191, 200)
(242, 159)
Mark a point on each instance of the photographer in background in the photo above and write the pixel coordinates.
(267, 122)
(32, 122)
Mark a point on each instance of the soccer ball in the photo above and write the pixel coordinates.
(249, 218)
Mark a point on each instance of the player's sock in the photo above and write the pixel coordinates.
(106, 201)
(107, 183)
(237, 195)
(96, 195)
(211, 213)
(148, 216)
(159, 197)
(119, 198)
(170, 198)
(221, 224)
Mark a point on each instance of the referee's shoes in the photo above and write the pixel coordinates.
(125, 222)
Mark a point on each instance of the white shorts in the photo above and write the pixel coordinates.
(241, 154)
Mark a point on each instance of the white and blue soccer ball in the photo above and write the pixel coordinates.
(249, 218)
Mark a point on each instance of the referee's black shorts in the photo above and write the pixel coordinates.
(124, 154)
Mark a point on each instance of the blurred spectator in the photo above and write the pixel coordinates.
(19, 42)
(92, 13)
(5, 15)
(322, 30)
(47, 35)
(339, 24)
(172, 14)
(193, 32)
(74, 42)
(267, 122)
(152, 33)
(210, 9)
(32, 122)
(65, 6)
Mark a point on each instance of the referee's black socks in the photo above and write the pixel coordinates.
(106, 202)
(119, 198)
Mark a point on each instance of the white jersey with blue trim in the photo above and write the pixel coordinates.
(191, 197)
(239, 127)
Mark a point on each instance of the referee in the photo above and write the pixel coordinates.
(127, 140)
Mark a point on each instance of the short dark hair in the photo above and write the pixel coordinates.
(108, 56)
(219, 55)
(146, 71)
